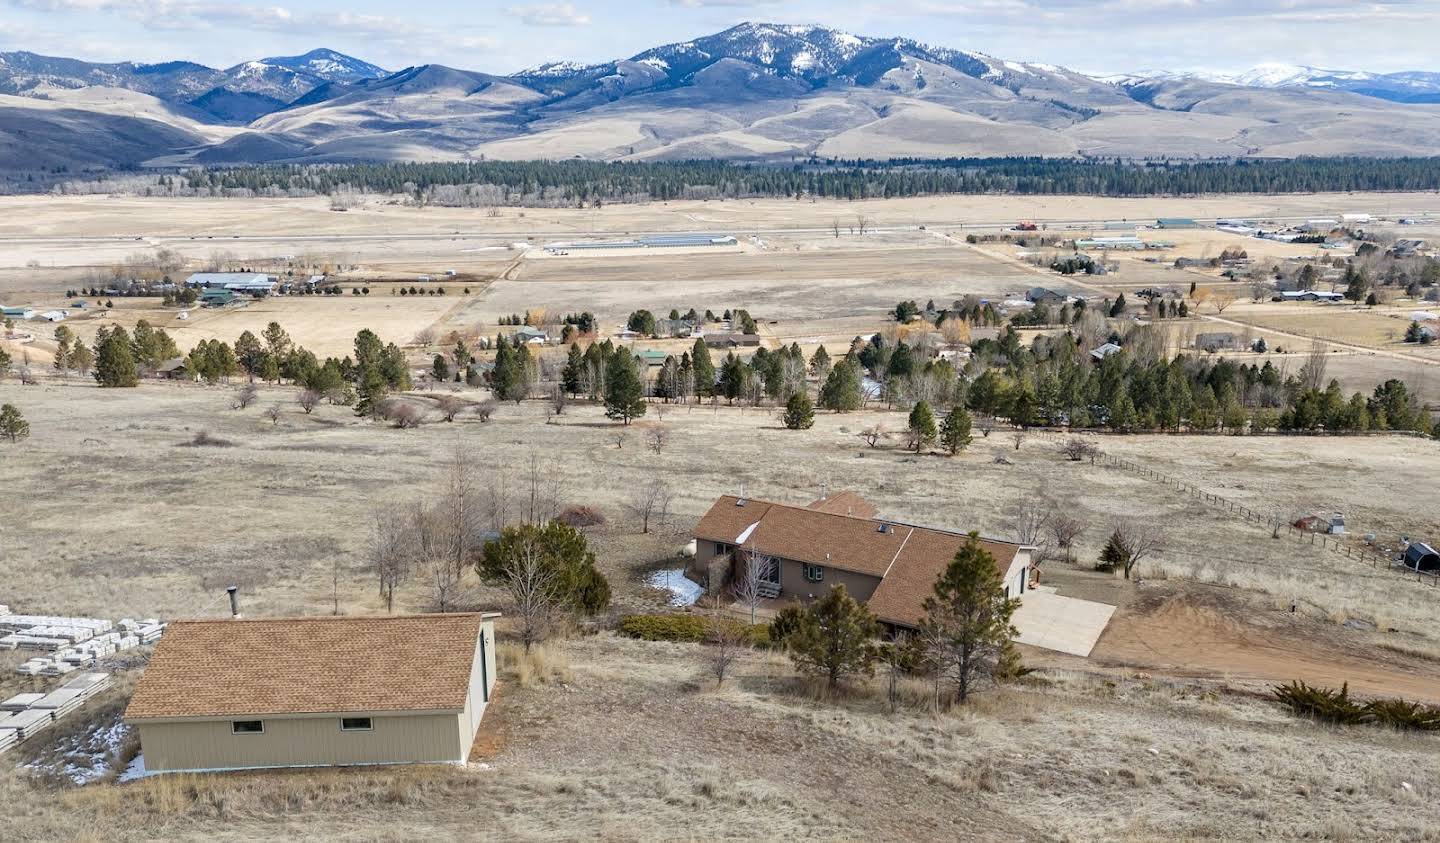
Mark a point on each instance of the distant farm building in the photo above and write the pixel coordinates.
(1216, 342)
(1043, 295)
(173, 369)
(217, 298)
(1129, 243)
(314, 692)
(1176, 223)
(250, 283)
(1105, 350)
(17, 312)
(731, 340)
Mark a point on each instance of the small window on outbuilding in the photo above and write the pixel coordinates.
(814, 573)
(356, 724)
(247, 727)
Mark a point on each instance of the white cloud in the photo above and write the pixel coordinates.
(550, 14)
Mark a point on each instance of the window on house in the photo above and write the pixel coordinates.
(355, 724)
(247, 727)
(814, 573)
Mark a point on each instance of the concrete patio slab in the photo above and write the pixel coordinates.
(1063, 624)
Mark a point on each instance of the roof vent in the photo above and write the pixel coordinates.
(739, 501)
(884, 528)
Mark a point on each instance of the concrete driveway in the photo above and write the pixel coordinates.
(1064, 624)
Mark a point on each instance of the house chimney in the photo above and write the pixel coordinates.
(234, 602)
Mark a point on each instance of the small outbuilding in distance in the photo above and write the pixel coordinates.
(314, 692)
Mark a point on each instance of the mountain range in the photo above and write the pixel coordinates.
(752, 92)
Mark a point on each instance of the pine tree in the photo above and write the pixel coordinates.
(967, 619)
(114, 364)
(922, 426)
(842, 391)
(439, 368)
(1118, 308)
(820, 363)
(506, 379)
(624, 391)
(570, 379)
(1114, 554)
(955, 430)
(12, 424)
(704, 369)
(835, 638)
(799, 412)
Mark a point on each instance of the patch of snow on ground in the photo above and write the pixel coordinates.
(136, 770)
(87, 757)
(683, 590)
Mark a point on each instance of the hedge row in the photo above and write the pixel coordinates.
(685, 628)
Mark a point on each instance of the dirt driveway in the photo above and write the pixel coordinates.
(1216, 633)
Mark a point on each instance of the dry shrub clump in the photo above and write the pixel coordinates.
(540, 665)
(206, 439)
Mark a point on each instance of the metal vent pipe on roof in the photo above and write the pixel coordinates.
(234, 602)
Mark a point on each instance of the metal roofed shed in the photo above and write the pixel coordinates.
(243, 282)
(1421, 557)
(1176, 222)
(319, 691)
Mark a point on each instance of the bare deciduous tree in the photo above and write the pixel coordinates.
(308, 399)
(873, 434)
(244, 396)
(651, 502)
(1029, 523)
(657, 438)
(1066, 529)
(727, 640)
(426, 336)
(389, 553)
(533, 588)
(755, 568)
(273, 413)
(1312, 373)
(1019, 437)
(401, 414)
(984, 424)
(449, 407)
(620, 437)
(1076, 449)
(485, 409)
(1138, 540)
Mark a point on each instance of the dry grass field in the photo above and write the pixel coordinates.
(112, 510)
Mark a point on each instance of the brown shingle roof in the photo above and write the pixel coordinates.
(846, 503)
(900, 597)
(907, 559)
(225, 668)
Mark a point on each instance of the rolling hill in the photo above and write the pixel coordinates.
(752, 92)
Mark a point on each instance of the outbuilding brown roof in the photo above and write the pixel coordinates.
(907, 559)
(227, 668)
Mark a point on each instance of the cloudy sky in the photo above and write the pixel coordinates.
(501, 37)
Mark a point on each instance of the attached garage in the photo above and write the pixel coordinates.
(304, 692)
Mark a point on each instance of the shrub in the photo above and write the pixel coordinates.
(688, 628)
(668, 627)
(1326, 705)
(580, 516)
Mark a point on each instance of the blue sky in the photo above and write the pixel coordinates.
(1091, 35)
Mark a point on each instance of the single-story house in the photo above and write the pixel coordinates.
(173, 369)
(1311, 295)
(54, 315)
(313, 692)
(1216, 342)
(654, 358)
(217, 298)
(731, 340)
(1105, 350)
(531, 335)
(1422, 557)
(889, 565)
(674, 327)
(1037, 295)
(17, 312)
(254, 283)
